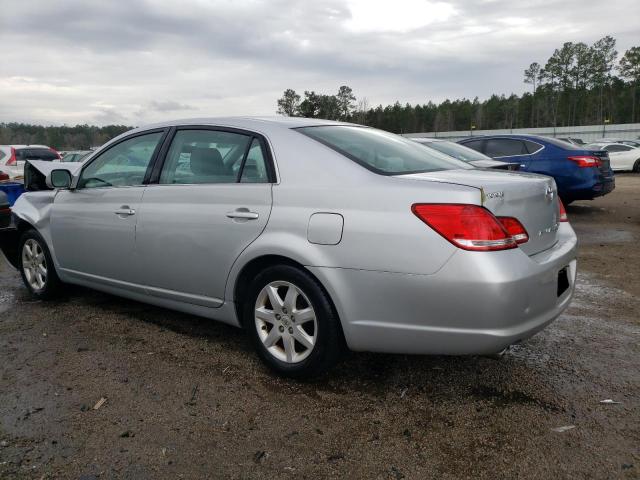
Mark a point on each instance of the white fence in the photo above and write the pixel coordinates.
(588, 133)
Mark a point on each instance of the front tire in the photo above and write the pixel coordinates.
(636, 166)
(291, 322)
(36, 266)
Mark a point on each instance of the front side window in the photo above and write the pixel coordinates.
(212, 156)
(382, 152)
(123, 165)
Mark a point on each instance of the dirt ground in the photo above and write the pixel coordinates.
(187, 398)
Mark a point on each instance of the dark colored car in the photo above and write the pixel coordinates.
(5, 211)
(465, 154)
(580, 174)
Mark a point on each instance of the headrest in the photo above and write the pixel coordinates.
(206, 161)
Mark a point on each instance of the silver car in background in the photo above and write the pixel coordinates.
(312, 235)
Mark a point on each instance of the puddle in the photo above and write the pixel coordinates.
(590, 235)
(7, 299)
(593, 294)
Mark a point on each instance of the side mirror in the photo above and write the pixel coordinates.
(59, 179)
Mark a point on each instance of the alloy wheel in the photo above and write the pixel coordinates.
(286, 322)
(34, 264)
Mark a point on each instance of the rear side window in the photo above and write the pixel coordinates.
(532, 147)
(505, 147)
(382, 152)
(36, 154)
(213, 156)
(2, 154)
(617, 148)
(255, 167)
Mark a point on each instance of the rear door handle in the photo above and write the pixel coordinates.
(125, 210)
(244, 213)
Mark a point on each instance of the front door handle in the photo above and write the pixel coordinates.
(125, 210)
(243, 213)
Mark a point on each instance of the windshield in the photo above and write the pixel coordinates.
(456, 150)
(382, 152)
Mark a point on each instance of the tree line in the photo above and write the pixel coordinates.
(80, 137)
(579, 84)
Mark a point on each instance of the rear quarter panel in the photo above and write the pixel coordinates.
(380, 232)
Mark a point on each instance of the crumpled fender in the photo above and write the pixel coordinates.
(32, 209)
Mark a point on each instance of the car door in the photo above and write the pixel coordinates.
(93, 224)
(211, 199)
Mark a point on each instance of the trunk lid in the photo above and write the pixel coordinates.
(532, 199)
(605, 163)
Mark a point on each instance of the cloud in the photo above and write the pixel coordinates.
(151, 59)
(170, 106)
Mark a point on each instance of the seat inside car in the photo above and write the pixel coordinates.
(207, 166)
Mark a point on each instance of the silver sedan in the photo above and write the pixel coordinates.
(314, 236)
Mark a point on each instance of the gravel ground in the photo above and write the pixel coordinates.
(187, 398)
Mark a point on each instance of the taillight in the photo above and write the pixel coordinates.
(586, 161)
(469, 227)
(12, 158)
(56, 152)
(563, 212)
(4, 176)
(515, 229)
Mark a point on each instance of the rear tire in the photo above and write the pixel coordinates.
(36, 266)
(292, 323)
(636, 166)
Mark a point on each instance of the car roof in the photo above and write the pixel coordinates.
(248, 122)
(427, 139)
(24, 146)
(512, 135)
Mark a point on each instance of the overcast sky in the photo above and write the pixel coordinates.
(138, 61)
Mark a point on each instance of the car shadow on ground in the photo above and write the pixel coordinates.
(374, 375)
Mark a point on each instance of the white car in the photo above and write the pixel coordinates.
(621, 156)
(12, 157)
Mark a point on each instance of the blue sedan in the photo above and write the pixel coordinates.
(580, 174)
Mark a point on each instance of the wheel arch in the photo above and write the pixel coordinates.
(10, 240)
(258, 264)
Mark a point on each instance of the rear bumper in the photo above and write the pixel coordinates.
(589, 190)
(479, 302)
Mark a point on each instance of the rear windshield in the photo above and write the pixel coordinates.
(382, 152)
(562, 144)
(456, 150)
(36, 154)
